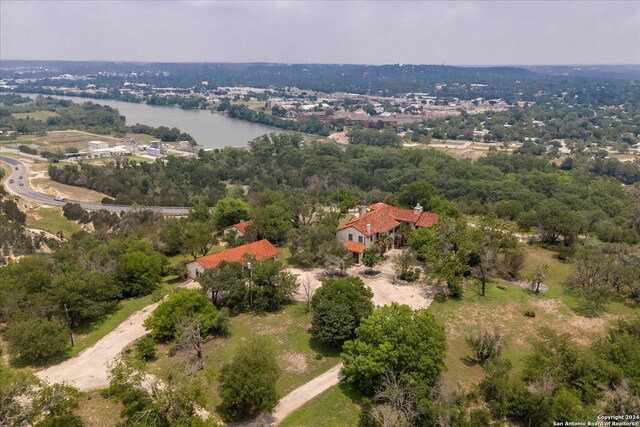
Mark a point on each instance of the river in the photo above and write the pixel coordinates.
(210, 130)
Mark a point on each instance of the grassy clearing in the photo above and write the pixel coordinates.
(125, 309)
(51, 219)
(504, 309)
(7, 171)
(300, 358)
(285, 254)
(335, 407)
(46, 185)
(142, 137)
(41, 115)
(96, 411)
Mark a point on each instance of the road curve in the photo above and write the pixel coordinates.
(20, 171)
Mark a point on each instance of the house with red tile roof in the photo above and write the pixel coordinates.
(378, 219)
(260, 251)
(240, 228)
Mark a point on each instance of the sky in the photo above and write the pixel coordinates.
(357, 32)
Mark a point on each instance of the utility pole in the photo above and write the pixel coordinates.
(66, 314)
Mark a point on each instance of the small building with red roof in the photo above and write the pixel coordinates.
(259, 251)
(240, 228)
(377, 219)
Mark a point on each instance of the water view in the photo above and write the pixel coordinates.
(210, 130)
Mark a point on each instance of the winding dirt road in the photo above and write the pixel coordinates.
(89, 369)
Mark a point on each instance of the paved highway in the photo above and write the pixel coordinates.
(20, 188)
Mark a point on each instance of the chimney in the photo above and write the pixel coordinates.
(418, 209)
(368, 228)
(362, 210)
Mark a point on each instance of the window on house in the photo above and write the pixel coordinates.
(351, 237)
(359, 239)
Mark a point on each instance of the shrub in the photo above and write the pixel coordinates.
(530, 313)
(485, 346)
(146, 348)
(455, 290)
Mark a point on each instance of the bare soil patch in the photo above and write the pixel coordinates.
(295, 363)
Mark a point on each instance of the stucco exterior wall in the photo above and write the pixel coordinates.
(194, 269)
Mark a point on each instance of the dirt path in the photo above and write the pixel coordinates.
(89, 369)
(296, 399)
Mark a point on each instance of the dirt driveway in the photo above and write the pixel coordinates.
(89, 369)
(384, 290)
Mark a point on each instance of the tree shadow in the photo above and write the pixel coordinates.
(350, 392)
(469, 361)
(21, 363)
(322, 349)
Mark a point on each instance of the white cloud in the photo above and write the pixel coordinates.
(472, 32)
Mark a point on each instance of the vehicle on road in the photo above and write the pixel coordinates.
(22, 184)
(10, 181)
(20, 177)
(16, 168)
(58, 199)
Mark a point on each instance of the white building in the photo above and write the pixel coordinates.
(97, 145)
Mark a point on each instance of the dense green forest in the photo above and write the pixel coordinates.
(87, 116)
(527, 185)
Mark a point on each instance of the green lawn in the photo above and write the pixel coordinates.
(335, 407)
(36, 115)
(51, 219)
(299, 357)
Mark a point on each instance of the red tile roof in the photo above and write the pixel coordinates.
(354, 247)
(427, 219)
(384, 218)
(242, 226)
(260, 250)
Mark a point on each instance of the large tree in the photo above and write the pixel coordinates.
(227, 279)
(398, 339)
(270, 286)
(229, 211)
(446, 248)
(149, 401)
(339, 306)
(183, 304)
(37, 340)
(248, 383)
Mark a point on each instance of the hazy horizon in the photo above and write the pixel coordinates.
(116, 61)
(375, 33)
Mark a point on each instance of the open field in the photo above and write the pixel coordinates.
(61, 140)
(51, 219)
(36, 115)
(300, 358)
(335, 407)
(40, 181)
(504, 310)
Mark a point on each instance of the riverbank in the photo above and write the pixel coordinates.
(209, 130)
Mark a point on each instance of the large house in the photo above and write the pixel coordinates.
(260, 251)
(378, 219)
